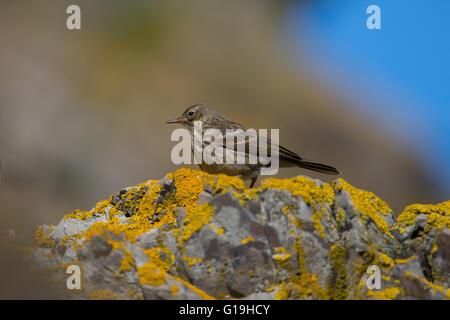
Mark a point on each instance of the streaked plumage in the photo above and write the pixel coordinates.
(211, 119)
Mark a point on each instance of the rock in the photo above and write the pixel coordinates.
(149, 239)
(440, 259)
(71, 227)
(261, 296)
(99, 246)
(171, 290)
(421, 220)
(193, 235)
(204, 197)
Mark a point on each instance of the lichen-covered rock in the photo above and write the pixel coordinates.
(193, 235)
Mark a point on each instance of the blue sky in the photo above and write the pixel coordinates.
(399, 75)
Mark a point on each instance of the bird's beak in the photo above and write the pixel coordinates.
(178, 120)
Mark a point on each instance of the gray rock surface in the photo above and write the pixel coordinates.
(196, 236)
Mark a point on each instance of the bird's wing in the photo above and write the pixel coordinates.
(250, 147)
(248, 142)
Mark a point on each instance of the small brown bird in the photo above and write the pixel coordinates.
(211, 119)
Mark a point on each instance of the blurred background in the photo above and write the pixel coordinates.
(82, 112)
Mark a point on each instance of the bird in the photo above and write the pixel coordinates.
(211, 119)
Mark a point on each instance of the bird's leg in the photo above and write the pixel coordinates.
(253, 182)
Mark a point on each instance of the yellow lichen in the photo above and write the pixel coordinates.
(386, 294)
(282, 293)
(302, 285)
(174, 289)
(319, 197)
(161, 257)
(368, 204)
(384, 260)
(127, 261)
(196, 218)
(286, 209)
(271, 288)
(222, 183)
(191, 261)
(135, 295)
(150, 275)
(337, 283)
(78, 214)
(429, 284)
(281, 254)
(401, 261)
(438, 216)
(199, 292)
(99, 208)
(248, 239)
(304, 187)
(217, 229)
(102, 295)
(189, 184)
(340, 217)
(43, 239)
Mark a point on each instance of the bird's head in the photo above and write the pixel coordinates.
(198, 112)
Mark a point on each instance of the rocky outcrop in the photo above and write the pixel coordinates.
(193, 235)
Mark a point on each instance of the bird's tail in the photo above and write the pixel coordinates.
(315, 166)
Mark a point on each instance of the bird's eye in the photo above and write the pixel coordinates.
(191, 113)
